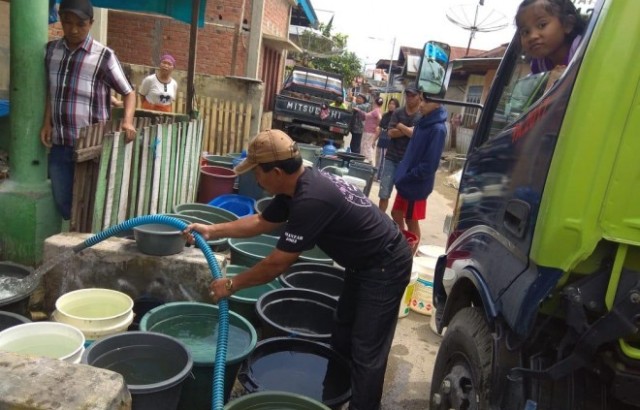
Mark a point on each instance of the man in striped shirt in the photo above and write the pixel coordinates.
(80, 75)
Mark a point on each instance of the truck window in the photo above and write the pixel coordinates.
(521, 92)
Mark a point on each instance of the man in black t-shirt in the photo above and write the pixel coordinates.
(321, 209)
(399, 131)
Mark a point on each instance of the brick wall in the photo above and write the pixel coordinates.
(276, 18)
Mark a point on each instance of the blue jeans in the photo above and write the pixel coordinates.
(386, 179)
(61, 169)
(366, 320)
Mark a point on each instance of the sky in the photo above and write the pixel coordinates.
(372, 25)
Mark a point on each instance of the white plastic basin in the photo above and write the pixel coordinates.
(48, 339)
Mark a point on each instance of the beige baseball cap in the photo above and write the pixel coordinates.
(268, 146)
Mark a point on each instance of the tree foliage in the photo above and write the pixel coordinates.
(326, 51)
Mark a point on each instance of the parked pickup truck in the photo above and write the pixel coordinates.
(302, 107)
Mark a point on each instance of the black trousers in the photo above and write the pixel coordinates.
(356, 140)
(366, 320)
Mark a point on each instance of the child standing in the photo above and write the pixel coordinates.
(416, 173)
(550, 32)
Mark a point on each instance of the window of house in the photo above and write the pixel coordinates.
(470, 115)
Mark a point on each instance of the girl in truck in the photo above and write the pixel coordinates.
(550, 32)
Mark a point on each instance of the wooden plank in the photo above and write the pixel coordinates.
(125, 183)
(233, 130)
(187, 154)
(101, 186)
(180, 163)
(195, 169)
(172, 168)
(247, 126)
(88, 153)
(135, 175)
(144, 158)
(111, 184)
(206, 116)
(166, 168)
(149, 177)
(117, 192)
(87, 217)
(228, 146)
(155, 185)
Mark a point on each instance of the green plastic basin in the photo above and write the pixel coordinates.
(244, 301)
(250, 251)
(195, 325)
(275, 400)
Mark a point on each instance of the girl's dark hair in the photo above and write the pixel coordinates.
(395, 101)
(565, 10)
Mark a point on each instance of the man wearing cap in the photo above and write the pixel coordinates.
(322, 209)
(80, 75)
(159, 90)
(399, 132)
(416, 173)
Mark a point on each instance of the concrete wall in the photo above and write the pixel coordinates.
(116, 263)
(39, 383)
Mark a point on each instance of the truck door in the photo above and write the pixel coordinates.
(503, 182)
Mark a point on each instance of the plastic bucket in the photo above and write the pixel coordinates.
(10, 319)
(250, 251)
(405, 303)
(296, 313)
(219, 161)
(328, 160)
(248, 186)
(239, 205)
(309, 152)
(196, 326)
(412, 240)
(315, 255)
(17, 283)
(48, 339)
(422, 298)
(298, 366)
(314, 276)
(275, 400)
(216, 245)
(243, 302)
(96, 312)
(260, 206)
(363, 171)
(154, 366)
(361, 184)
(158, 239)
(214, 181)
(433, 251)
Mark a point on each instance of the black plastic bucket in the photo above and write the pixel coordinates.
(17, 283)
(299, 366)
(243, 302)
(153, 365)
(297, 313)
(10, 319)
(314, 276)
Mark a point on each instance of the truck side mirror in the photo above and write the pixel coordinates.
(432, 76)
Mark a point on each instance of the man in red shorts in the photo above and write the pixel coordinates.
(416, 172)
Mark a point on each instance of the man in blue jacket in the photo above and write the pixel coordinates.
(416, 172)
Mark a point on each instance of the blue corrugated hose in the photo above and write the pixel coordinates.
(223, 305)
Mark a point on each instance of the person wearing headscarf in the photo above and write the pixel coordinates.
(159, 89)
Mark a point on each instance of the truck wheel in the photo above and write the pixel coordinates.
(461, 375)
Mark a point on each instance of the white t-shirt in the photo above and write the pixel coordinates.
(157, 92)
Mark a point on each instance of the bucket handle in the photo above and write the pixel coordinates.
(245, 379)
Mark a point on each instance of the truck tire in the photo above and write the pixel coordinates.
(461, 376)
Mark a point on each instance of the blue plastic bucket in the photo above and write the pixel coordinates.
(196, 326)
(239, 205)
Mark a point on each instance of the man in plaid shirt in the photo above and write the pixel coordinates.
(80, 75)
